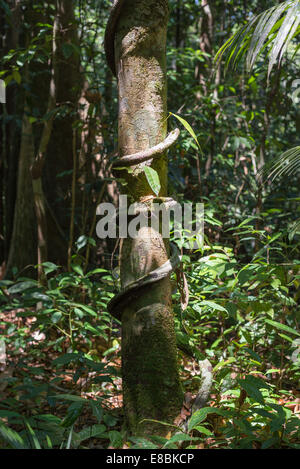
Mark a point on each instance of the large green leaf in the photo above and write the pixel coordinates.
(252, 386)
(283, 327)
(200, 415)
(153, 179)
(188, 128)
(12, 437)
(33, 436)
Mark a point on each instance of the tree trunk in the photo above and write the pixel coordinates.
(25, 229)
(22, 253)
(57, 175)
(151, 386)
(39, 162)
(9, 132)
(206, 25)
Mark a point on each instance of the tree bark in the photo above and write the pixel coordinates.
(39, 162)
(27, 225)
(23, 240)
(60, 156)
(151, 386)
(22, 253)
(9, 132)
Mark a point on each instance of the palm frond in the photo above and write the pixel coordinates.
(295, 229)
(273, 29)
(283, 165)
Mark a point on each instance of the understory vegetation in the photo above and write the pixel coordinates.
(60, 349)
(61, 386)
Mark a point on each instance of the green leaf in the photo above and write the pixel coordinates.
(97, 410)
(69, 442)
(9, 414)
(22, 286)
(224, 363)
(252, 386)
(188, 128)
(16, 76)
(40, 296)
(214, 305)
(56, 317)
(70, 397)
(34, 438)
(90, 432)
(66, 358)
(49, 442)
(203, 430)
(77, 269)
(49, 267)
(85, 308)
(116, 439)
(283, 327)
(273, 370)
(73, 413)
(142, 443)
(12, 437)
(179, 437)
(153, 179)
(89, 327)
(200, 415)
(81, 242)
(96, 271)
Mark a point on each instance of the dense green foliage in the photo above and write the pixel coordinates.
(60, 383)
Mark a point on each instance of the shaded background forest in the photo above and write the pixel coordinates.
(240, 122)
(58, 140)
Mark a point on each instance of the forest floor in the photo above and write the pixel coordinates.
(34, 390)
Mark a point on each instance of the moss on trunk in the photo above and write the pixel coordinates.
(151, 385)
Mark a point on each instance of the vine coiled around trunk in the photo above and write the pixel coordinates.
(134, 289)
